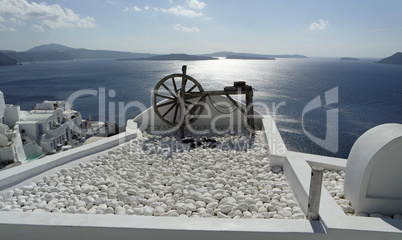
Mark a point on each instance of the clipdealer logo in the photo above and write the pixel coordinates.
(330, 142)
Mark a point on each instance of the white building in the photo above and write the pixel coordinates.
(30, 134)
(11, 146)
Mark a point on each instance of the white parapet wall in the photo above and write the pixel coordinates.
(276, 146)
(337, 225)
(16, 175)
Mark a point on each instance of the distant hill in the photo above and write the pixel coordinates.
(349, 59)
(57, 52)
(38, 56)
(225, 54)
(394, 59)
(82, 53)
(184, 57)
(50, 47)
(7, 61)
(247, 57)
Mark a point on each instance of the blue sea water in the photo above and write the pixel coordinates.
(369, 94)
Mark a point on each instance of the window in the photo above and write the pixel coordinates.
(40, 128)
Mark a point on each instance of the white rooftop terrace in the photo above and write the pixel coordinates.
(333, 223)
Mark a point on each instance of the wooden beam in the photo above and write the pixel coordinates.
(315, 193)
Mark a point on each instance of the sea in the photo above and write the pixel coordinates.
(304, 96)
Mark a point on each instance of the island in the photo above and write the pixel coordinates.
(183, 57)
(394, 59)
(349, 59)
(7, 61)
(242, 57)
(226, 53)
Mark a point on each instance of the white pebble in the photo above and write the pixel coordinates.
(257, 215)
(138, 211)
(27, 188)
(81, 210)
(226, 208)
(120, 211)
(285, 213)
(71, 209)
(89, 200)
(249, 201)
(265, 198)
(242, 206)
(158, 211)
(47, 197)
(148, 211)
(109, 210)
(8, 193)
(247, 214)
(197, 196)
(190, 207)
(253, 208)
(298, 216)
(276, 169)
(218, 196)
(172, 213)
(80, 204)
(212, 205)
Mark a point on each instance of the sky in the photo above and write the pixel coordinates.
(315, 28)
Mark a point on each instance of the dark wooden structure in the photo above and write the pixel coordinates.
(183, 94)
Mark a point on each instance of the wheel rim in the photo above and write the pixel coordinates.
(169, 104)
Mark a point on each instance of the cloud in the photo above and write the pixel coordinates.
(320, 25)
(37, 28)
(179, 27)
(133, 8)
(41, 15)
(113, 2)
(182, 11)
(195, 4)
(6, 29)
(191, 9)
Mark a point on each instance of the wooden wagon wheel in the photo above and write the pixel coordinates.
(169, 99)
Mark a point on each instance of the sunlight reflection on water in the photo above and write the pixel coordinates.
(369, 94)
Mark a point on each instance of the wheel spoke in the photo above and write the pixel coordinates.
(191, 89)
(163, 96)
(175, 87)
(168, 111)
(171, 93)
(164, 104)
(175, 113)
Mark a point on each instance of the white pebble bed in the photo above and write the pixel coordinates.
(145, 178)
(334, 182)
